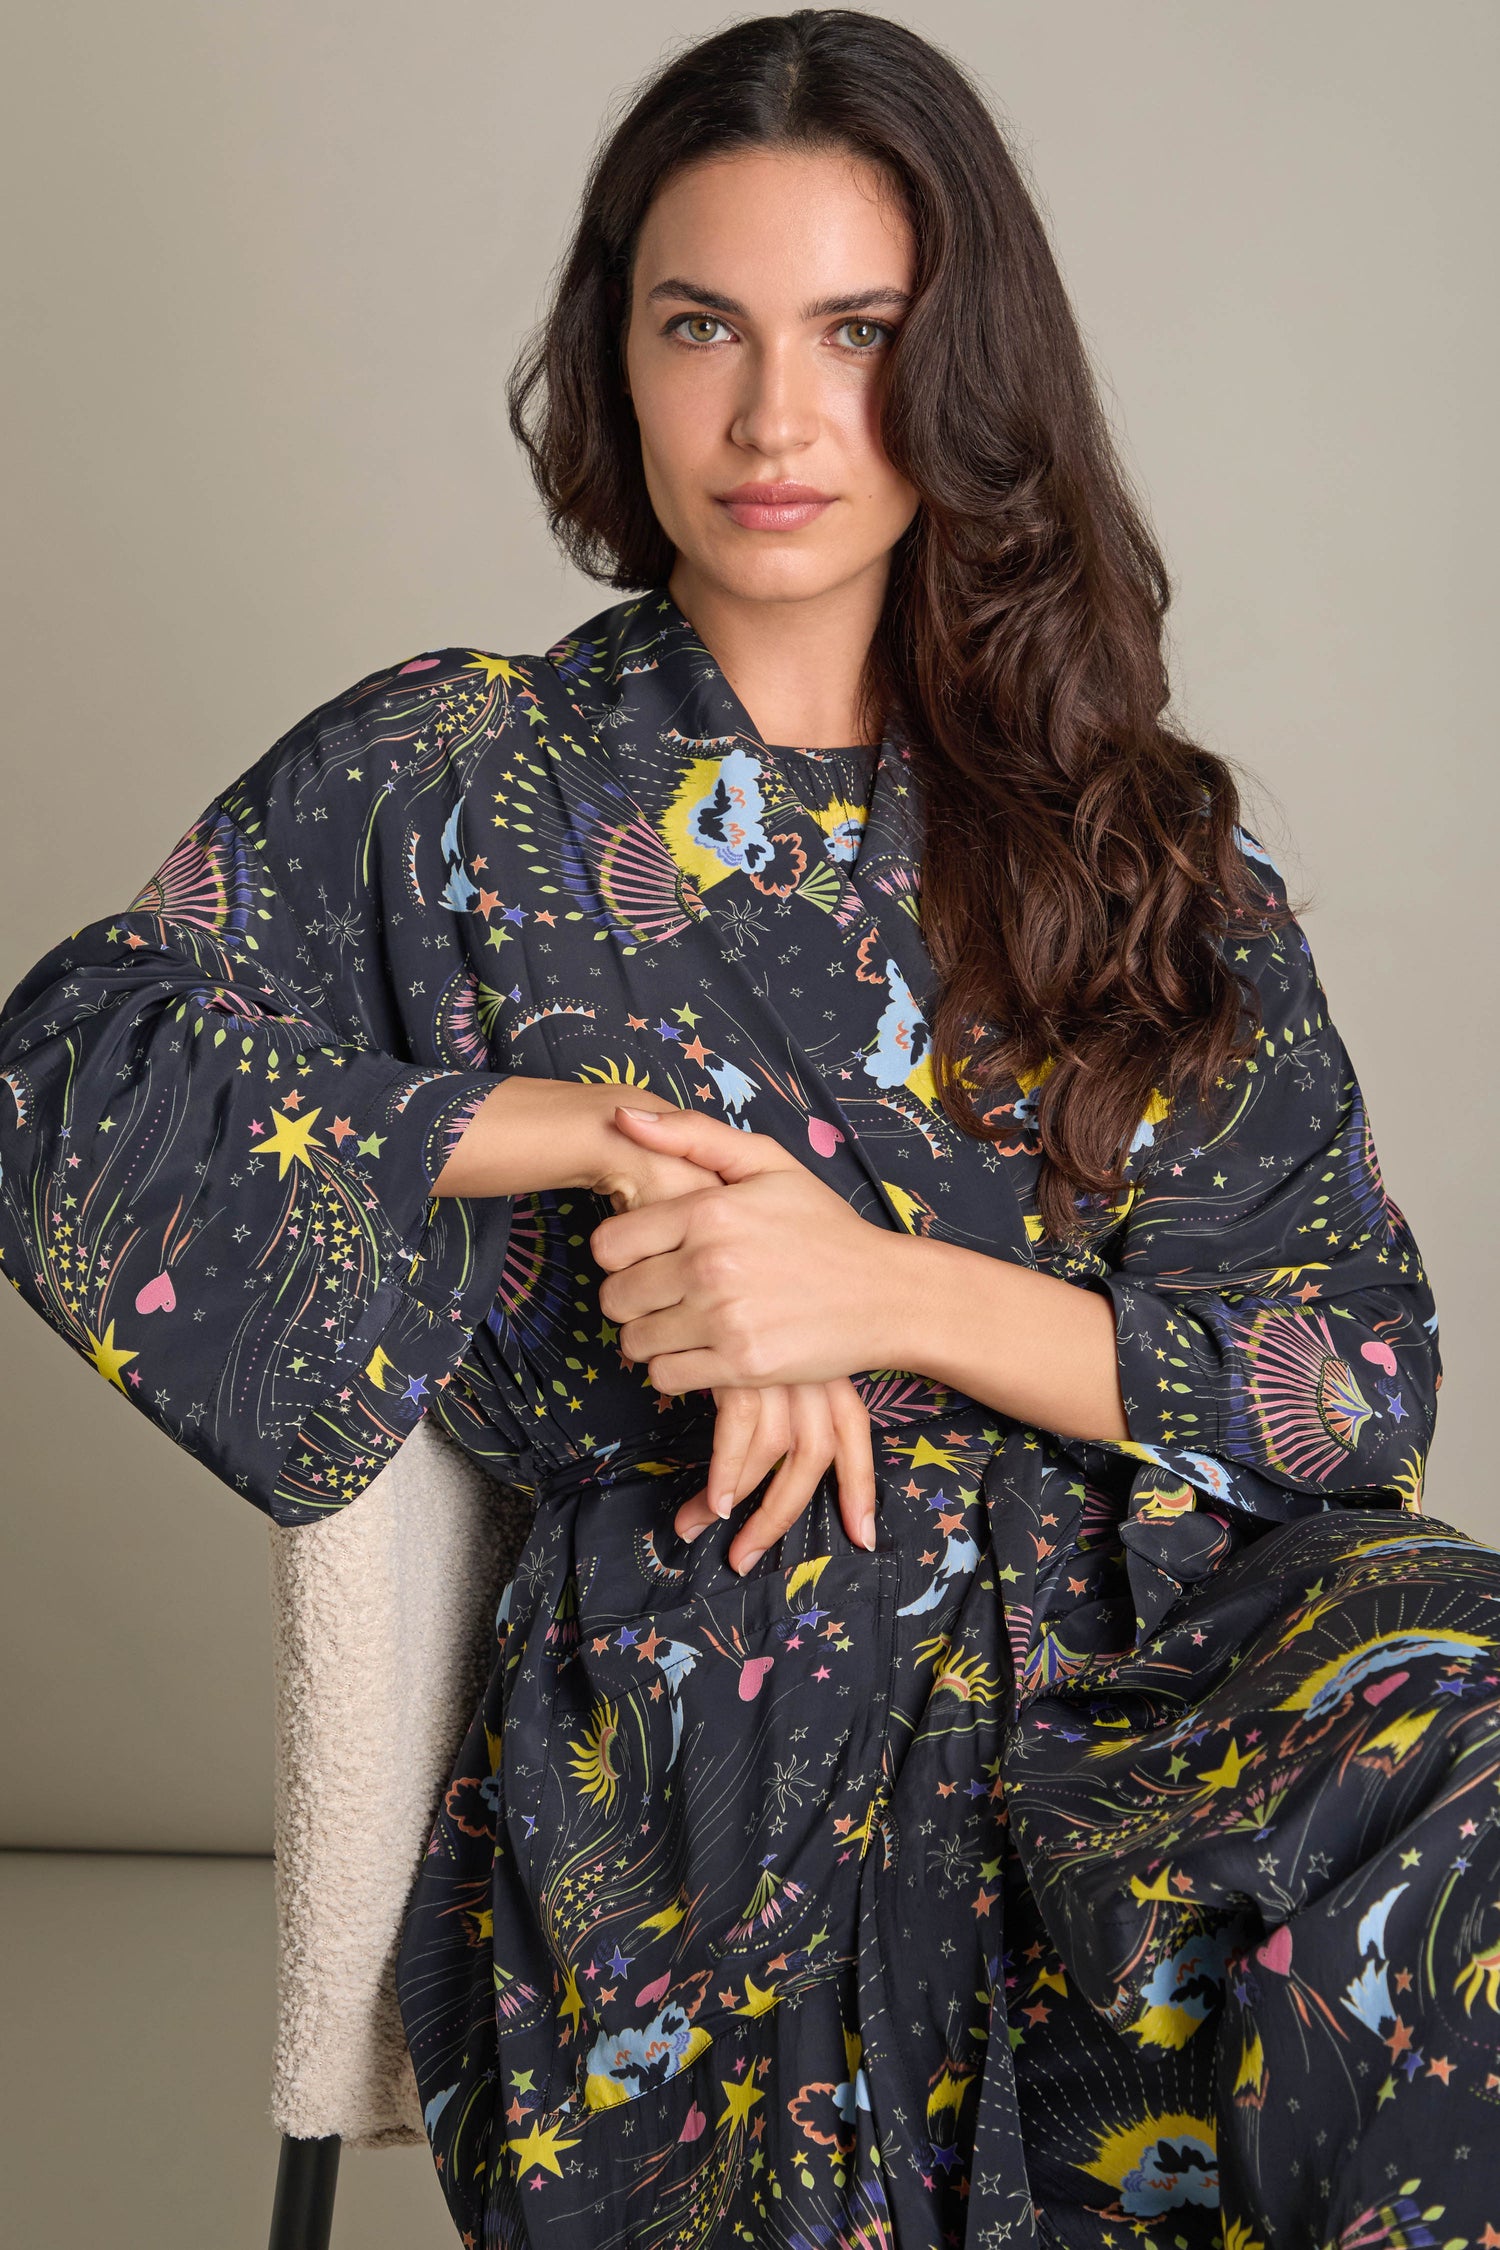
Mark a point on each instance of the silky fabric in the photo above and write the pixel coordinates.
(1106, 1856)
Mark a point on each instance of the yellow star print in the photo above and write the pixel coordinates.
(1227, 1775)
(107, 1358)
(924, 1453)
(742, 2093)
(572, 2002)
(759, 1999)
(540, 2148)
(376, 1366)
(290, 1140)
(907, 1207)
(494, 668)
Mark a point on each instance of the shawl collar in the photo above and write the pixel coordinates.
(682, 812)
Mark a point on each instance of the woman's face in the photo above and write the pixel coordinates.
(766, 290)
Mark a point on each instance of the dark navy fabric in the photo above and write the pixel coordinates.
(1111, 1855)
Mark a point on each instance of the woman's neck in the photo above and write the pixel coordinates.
(795, 663)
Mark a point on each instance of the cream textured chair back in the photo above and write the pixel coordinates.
(383, 1620)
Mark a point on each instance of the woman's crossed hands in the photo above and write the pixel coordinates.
(762, 1286)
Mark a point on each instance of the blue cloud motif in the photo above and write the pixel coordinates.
(960, 1558)
(735, 1086)
(641, 2057)
(460, 887)
(438, 2104)
(1368, 1996)
(1253, 850)
(1172, 2171)
(900, 1035)
(842, 841)
(726, 820)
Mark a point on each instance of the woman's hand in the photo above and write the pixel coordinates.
(772, 1278)
(534, 1135)
(768, 1278)
(633, 1178)
(808, 1428)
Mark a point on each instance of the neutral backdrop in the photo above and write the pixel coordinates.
(274, 259)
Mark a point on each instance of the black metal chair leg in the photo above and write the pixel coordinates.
(306, 2177)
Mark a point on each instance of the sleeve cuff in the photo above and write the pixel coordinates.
(1172, 1378)
(441, 1260)
(401, 1129)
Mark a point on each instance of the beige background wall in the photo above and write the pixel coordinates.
(274, 258)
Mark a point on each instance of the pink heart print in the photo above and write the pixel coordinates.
(752, 1672)
(825, 1138)
(1276, 1953)
(1379, 1355)
(157, 1296)
(693, 2124)
(1378, 1690)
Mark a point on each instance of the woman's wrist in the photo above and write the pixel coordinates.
(897, 1317)
(1040, 1350)
(531, 1135)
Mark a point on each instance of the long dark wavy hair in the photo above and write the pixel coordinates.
(1080, 867)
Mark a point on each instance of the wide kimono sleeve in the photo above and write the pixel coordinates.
(222, 1116)
(1275, 1328)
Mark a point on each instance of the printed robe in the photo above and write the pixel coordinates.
(1112, 1854)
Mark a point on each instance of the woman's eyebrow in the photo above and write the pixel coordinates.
(821, 309)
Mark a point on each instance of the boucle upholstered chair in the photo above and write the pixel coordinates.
(383, 1621)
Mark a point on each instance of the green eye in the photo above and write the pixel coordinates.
(868, 334)
(707, 320)
(874, 330)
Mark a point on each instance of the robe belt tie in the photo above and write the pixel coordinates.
(683, 1458)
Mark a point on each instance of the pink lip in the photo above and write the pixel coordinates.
(779, 506)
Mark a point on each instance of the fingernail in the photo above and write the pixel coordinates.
(749, 1561)
(625, 1111)
(867, 1536)
(723, 1505)
(697, 1529)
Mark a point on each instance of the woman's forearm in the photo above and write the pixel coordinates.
(532, 1134)
(1038, 1349)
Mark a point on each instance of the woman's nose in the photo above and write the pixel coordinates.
(777, 409)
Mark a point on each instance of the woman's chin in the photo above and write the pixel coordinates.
(764, 566)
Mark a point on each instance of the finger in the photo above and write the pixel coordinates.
(853, 1461)
(663, 1180)
(708, 1141)
(734, 1429)
(693, 1517)
(793, 1484)
(677, 1372)
(659, 1178)
(670, 1333)
(808, 1455)
(649, 1231)
(771, 1442)
(736, 1426)
(660, 1224)
(749, 1438)
(769, 1438)
(649, 1286)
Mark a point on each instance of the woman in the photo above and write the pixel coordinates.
(809, 1076)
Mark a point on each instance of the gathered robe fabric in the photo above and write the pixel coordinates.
(1113, 1854)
